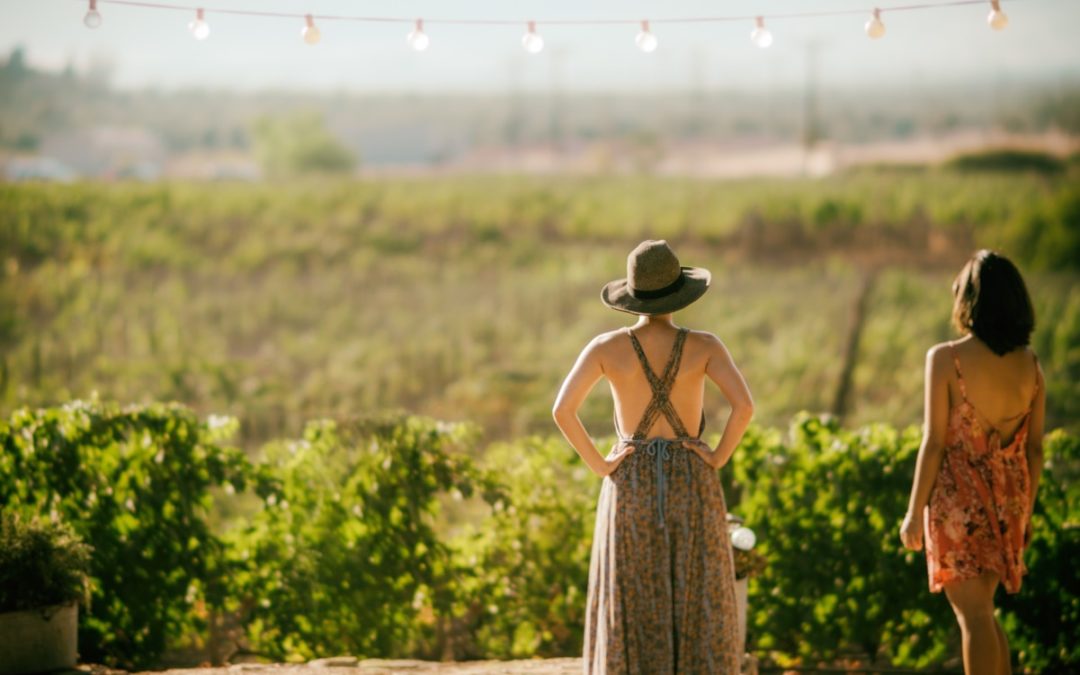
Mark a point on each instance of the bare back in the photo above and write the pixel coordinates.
(1001, 389)
(630, 386)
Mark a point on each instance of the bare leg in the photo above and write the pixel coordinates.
(984, 648)
(1005, 664)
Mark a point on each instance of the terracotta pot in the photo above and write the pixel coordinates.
(39, 639)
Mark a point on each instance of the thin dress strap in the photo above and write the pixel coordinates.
(660, 404)
(959, 373)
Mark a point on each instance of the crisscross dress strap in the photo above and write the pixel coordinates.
(660, 404)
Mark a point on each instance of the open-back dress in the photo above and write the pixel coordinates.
(979, 505)
(661, 596)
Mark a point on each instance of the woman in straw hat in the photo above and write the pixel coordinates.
(661, 593)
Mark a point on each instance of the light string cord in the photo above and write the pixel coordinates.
(550, 22)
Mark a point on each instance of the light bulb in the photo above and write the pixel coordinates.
(761, 35)
(92, 18)
(200, 30)
(531, 41)
(417, 38)
(645, 40)
(743, 538)
(310, 32)
(875, 29)
(997, 19)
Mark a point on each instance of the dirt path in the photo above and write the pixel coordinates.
(347, 665)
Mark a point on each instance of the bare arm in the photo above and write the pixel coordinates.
(721, 370)
(586, 372)
(928, 462)
(1034, 449)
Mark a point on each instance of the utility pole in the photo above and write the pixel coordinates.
(811, 125)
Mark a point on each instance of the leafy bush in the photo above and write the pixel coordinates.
(134, 482)
(529, 560)
(41, 564)
(1043, 619)
(347, 557)
(382, 537)
(836, 497)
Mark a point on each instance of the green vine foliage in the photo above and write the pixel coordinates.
(348, 558)
(1043, 619)
(827, 503)
(134, 483)
(529, 559)
(387, 537)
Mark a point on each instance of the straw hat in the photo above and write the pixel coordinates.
(655, 283)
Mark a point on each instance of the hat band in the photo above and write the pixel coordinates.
(639, 294)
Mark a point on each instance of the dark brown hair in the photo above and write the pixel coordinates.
(991, 301)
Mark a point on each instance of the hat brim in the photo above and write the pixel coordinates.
(616, 294)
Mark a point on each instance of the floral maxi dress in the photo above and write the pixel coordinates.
(978, 508)
(661, 596)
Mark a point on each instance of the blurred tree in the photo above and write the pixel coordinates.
(299, 144)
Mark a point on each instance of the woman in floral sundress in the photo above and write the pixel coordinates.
(978, 468)
(661, 593)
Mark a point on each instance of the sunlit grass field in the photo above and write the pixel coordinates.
(468, 298)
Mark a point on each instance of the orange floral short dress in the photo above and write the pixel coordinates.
(978, 508)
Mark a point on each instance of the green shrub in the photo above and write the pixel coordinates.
(347, 557)
(41, 564)
(1043, 619)
(134, 483)
(529, 560)
(827, 504)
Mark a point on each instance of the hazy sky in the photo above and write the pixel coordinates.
(153, 47)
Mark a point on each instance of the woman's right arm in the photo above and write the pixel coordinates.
(586, 372)
(928, 462)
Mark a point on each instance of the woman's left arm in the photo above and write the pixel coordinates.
(1034, 450)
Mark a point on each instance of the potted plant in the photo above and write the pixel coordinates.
(43, 575)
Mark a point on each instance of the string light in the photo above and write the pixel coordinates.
(997, 18)
(417, 38)
(531, 40)
(310, 32)
(93, 17)
(875, 29)
(200, 30)
(645, 40)
(761, 35)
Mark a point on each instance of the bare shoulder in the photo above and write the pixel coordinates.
(939, 357)
(604, 342)
(705, 340)
(708, 346)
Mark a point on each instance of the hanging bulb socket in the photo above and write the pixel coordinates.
(761, 36)
(93, 17)
(645, 40)
(310, 32)
(417, 38)
(200, 30)
(997, 19)
(531, 40)
(875, 28)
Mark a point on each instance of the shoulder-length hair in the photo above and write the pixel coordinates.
(991, 301)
